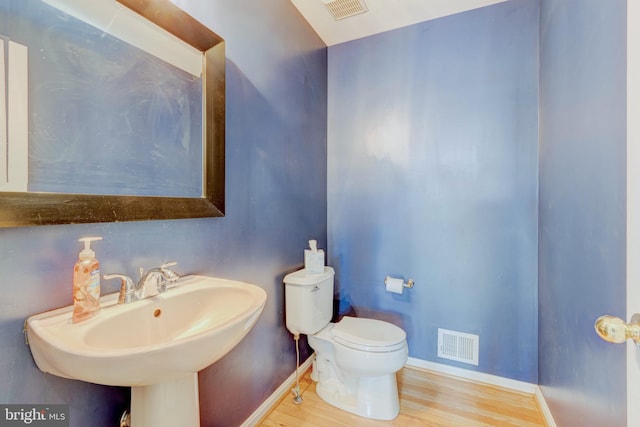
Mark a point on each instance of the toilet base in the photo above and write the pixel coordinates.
(369, 397)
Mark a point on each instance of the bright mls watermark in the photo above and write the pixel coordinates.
(34, 415)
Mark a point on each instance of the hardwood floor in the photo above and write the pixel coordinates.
(426, 399)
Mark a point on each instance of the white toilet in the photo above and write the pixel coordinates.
(356, 359)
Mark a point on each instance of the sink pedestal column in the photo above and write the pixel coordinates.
(166, 405)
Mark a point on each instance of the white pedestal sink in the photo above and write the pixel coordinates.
(155, 346)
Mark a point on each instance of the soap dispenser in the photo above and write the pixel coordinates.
(86, 282)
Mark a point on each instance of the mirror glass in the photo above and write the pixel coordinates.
(110, 115)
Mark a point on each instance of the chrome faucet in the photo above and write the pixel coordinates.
(127, 288)
(158, 276)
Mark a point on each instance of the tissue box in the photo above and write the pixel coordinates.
(314, 261)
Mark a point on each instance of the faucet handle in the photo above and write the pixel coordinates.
(170, 275)
(127, 287)
(158, 275)
(164, 268)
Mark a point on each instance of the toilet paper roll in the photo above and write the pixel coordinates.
(394, 285)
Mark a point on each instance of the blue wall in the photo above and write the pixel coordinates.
(276, 201)
(582, 208)
(432, 164)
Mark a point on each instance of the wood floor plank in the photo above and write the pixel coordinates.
(479, 408)
(462, 396)
(427, 399)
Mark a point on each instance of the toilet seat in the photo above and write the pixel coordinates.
(369, 335)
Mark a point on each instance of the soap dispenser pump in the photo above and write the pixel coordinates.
(86, 282)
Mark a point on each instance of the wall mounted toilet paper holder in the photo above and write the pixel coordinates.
(408, 284)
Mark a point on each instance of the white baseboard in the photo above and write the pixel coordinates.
(489, 379)
(481, 377)
(546, 412)
(275, 397)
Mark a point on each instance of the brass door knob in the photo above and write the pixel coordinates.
(613, 329)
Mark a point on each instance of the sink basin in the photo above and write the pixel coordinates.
(150, 344)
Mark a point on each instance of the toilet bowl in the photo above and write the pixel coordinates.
(356, 359)
(356, 371)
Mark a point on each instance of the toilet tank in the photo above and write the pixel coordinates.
(308, 300)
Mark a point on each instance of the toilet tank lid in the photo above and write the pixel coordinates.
(369, 332)
(302, 278)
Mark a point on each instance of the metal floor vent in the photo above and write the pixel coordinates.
(341, 9)
(458, 346)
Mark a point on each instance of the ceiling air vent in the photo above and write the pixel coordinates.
(341, 9)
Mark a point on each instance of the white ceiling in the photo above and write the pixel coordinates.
(383, 15)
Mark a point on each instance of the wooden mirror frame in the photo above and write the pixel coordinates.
(26, 209)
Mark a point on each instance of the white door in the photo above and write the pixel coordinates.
(618, 330)
(633, 205)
